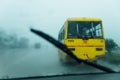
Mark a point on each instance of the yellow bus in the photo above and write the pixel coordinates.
(84, 37)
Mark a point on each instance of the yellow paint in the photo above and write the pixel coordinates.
(89, 47)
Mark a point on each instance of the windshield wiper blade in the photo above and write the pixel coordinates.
(68, 52)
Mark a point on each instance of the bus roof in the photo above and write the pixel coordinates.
(84, 19)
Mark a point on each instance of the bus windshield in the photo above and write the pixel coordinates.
(77, 29)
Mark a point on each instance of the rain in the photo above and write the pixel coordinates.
(23, 53)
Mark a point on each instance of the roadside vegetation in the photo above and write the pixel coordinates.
(13, 41)
(112, 50)
(110, 45)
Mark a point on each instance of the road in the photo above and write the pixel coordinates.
(37, 62)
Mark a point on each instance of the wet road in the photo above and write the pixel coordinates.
(37, 62)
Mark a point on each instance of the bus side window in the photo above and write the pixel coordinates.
(59, 37)
(63, 34)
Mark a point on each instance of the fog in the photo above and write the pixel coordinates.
(49, 16)
(18, 16)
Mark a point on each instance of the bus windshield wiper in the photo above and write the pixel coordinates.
(68, 52)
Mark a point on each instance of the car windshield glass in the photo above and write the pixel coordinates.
(89, 33)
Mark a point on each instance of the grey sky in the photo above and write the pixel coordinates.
(16, 16)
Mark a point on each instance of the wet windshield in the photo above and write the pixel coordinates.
(25, 54)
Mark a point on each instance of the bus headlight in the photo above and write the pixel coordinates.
(99, 49)
(72, 49)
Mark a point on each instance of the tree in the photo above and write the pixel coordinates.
(23, 42)
(12, 41)
(110, 45)
(37, 45)
(2, 38)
